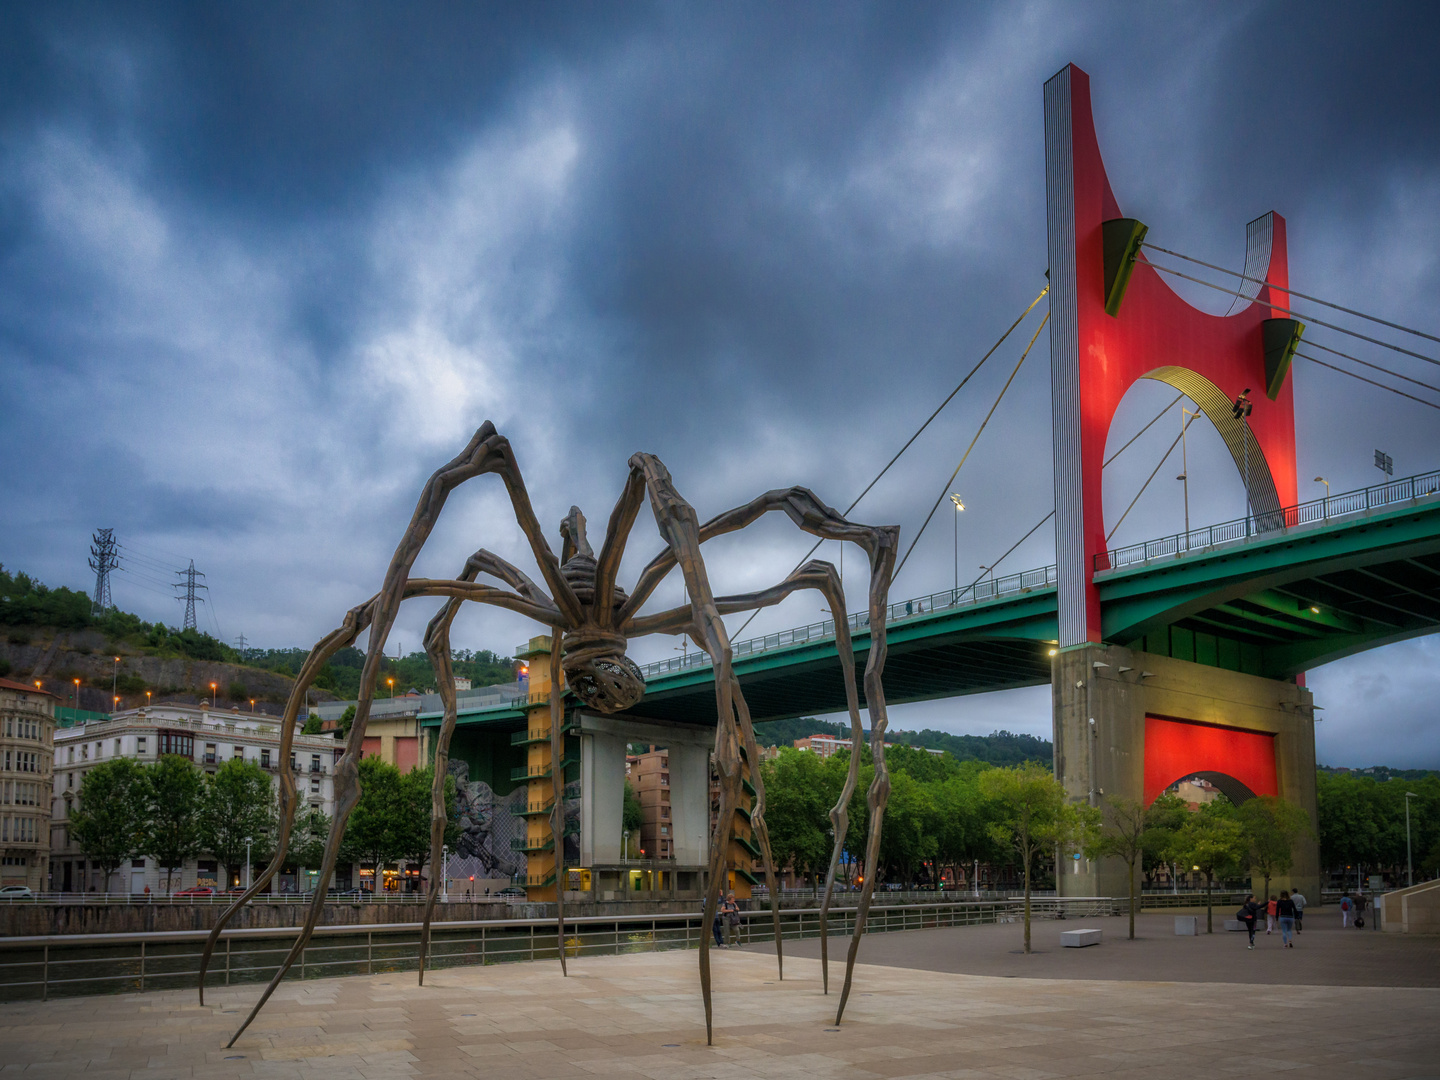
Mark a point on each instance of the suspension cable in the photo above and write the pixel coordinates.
(973, 441)
(1297, 314)
(1366, 363)
(1145, 485)
(918, 432)
(1372, 382)
(1293, 292)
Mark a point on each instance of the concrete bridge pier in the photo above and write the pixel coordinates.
(1129, 724)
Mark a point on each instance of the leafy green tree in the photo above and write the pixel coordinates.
(312, 725)
(412, 824)
(109, 823)
(800, 789)
(1272, 829)
(308, 836)
(239, 802)
(1128, 830)
(1212, 841)
(374, 833)
(346, 719)
(174, 800)
(1034, 817)
(632, 815)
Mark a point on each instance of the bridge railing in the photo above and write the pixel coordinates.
(977, 592)
(1316, 512)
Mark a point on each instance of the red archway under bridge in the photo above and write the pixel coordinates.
(1240, 763)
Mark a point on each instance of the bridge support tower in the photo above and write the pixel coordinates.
(1129, 724)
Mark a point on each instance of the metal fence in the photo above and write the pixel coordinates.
(71, 965)
(1315, 512)
(978, 592)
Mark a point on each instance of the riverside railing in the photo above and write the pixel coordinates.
(978, 592)
(1268, 523)
(72, 964)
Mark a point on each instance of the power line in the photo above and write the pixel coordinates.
(940, 498)
(1363, 379)
(920, 430)
(1292, 292)
(1366, 363)
(1297, 314)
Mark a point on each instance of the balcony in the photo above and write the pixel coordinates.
(536, 809)
(316, 767)
(530, 846)
(539, 881)
(539, 772)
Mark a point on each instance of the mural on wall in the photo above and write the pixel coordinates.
(488, 823)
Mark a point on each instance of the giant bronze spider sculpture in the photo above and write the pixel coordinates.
(591, 619)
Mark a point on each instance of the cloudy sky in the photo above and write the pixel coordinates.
(258, 278)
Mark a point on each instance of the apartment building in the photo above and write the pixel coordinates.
(650, 777)
(27, 725)
(208, 737)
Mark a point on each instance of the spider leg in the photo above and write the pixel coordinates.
(681, 530)
(557, 785)
(879, 543)
(622, 520)
(487, 451)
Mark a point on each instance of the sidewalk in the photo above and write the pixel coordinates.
(640, 1016)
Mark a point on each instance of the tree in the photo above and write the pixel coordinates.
(1272, 829)
(1213, 842)
(312, 725)
(239, 803)
(800, 789)
(1033, 817)
(308, 836)
(346, 719)
(109, 824)
(633, 815)
(412, 823)
(174, 800)
(373, 834)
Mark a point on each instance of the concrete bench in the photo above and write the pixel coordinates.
(1234, 924)
(1186, 925)
(1076, 939)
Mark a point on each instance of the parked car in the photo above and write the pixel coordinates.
(513, 892)
(16, 892)
(198, 890)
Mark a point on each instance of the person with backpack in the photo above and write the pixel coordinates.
(1346, 906)
(1298, 899)
(1248, 913)
(1285, 912)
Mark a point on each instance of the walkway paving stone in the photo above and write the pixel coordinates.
(640, 1016)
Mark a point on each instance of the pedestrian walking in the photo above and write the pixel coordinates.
(1271, 906)
(1285, 912)
(1360, 904)
(1248, 913)
(1298, 900)
(1346, 906)
(718, 922)
(732, 919)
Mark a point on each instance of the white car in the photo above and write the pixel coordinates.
(16, 892)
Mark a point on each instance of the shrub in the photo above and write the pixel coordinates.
(18, 637)
(238, 691)
(4, 667)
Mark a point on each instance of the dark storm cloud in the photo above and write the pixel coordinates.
(260, 275)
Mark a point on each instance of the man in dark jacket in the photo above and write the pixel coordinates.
(1248, 913)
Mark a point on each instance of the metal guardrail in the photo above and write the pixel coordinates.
(1316, 512)
(73, 964)
(979, 592)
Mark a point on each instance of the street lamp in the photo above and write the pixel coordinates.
(959, 506)
(1409, 865)
(115, 679)
(213, 696)
(1185, 416)
(252, 704)
(77, 694)
(391, 681)
(1324, 506)
(147, 699)
(248, 842)
(445, 872)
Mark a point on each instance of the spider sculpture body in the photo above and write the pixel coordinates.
(591, 619)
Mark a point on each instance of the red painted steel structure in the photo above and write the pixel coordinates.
(1096, 357)
(1177, 750)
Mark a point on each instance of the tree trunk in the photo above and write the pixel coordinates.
(1209, 907)
(1027, 903)
(1132, 901)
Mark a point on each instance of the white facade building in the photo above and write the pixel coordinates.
(208, 737)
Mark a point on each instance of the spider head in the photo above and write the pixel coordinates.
(599, 672)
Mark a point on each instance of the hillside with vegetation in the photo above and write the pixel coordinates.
(997, 748)
(55, 636)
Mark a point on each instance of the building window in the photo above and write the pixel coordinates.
(265, 759)
(117, 747)
(314, 762)
(137, 864)
(210, 753)
(140, 745)
(180, 743)
(314, 786)
(72, 752)
(70, 780)
(85, 752)
(239, 753)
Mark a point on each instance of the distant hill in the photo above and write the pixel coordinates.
(997, 748)
(1381, 772)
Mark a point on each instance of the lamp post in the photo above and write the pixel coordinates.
(1241, 409)
(213, 696)
(115, 679)
(391, 681)
(147, 699)
(1184, 477)
(626, 856)
(445, 872)
(252, 704)
(959, 506)
(248, 841)
(1409, 865)
(77, 694)
(1324, 506)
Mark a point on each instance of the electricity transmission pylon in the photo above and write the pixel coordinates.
(103, 559)
(189, 597)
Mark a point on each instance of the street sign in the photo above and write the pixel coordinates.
(1385, 463)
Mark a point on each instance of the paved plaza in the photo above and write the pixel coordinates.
(1075, 1013)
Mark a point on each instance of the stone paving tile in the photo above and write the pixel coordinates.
(640, 1016)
